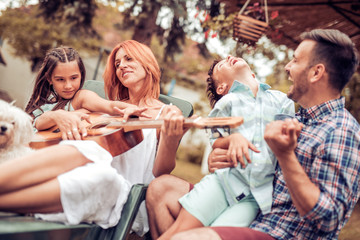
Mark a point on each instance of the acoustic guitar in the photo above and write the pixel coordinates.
(117, 136)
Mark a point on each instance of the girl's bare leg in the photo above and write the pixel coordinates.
(39, 167)
(40, 198)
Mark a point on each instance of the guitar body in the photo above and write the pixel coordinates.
(116, 141)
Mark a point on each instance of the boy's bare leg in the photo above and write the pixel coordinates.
(183, 222)
(162, 202)
(197, 233)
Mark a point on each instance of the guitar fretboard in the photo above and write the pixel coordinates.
(133, 124)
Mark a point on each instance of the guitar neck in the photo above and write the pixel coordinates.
(133, 124)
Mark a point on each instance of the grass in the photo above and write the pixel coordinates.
(351, 231)
(192, 173)
(188, 171)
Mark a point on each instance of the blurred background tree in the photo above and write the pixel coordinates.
(33, 29)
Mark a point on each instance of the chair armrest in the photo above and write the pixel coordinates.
(136, 196)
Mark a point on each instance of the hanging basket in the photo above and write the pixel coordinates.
(247, 29)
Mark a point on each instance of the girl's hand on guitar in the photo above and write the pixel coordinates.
(70, 124)
(132, 111)
(218, 159)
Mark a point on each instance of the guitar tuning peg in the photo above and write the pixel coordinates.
(226, 131)
(212, 132)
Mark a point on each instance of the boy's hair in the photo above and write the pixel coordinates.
(42, 88)
(212, 85)
(142, 54)
(337, 52)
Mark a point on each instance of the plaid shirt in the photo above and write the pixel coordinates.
(329, 151)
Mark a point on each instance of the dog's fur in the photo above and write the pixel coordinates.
(16, 131)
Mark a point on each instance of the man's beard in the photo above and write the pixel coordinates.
(299, 87)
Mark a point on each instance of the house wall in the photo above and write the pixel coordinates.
(16, 77)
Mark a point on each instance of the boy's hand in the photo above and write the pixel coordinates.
(238, 148)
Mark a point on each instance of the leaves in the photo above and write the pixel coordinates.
(31, 35)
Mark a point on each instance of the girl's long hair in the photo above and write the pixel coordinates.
(115, 90)
(42, 88)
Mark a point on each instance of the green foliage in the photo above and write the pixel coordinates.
(193, 154)
(31, 35)
(352, 96)
(221, 24)
(78, 14)
(146, 25)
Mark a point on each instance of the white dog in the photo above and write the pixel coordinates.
(16, 131)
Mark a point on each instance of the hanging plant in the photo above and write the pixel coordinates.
(230, 25)
(250, 23)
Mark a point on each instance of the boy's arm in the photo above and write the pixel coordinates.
(238, 148)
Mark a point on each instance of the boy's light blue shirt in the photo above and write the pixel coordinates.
(257, 177)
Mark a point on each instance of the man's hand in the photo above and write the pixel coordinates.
(218, 159)
(281, 136)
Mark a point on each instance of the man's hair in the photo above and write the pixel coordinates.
(212, 85)
(337, 52)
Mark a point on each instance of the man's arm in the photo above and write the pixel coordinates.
(328, 189)
(281, 136)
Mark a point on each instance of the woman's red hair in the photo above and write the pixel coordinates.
(142, 54)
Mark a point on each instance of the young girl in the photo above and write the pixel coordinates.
(58, 90)
(78, 181)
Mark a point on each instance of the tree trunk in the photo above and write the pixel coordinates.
(147, 22)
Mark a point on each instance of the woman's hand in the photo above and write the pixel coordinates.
(173, 122)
